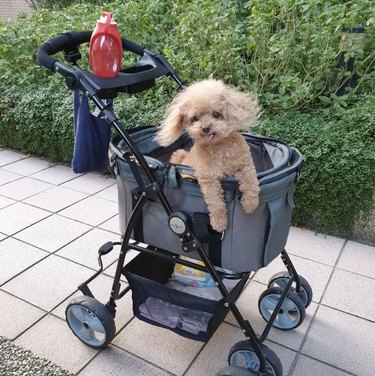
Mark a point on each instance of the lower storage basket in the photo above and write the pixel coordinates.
(188, 315)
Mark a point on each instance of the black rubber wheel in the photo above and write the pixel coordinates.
(243, 356)
(90, 321)
(281, 279)
(291, 313)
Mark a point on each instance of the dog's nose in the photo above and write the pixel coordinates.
(206, 129)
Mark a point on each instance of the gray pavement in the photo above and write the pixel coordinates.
(52, 222)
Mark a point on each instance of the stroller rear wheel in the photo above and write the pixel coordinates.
(292, 310)
(243, 356)
(281, 279)
(90, 321)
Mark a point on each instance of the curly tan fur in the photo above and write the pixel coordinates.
(212, 113)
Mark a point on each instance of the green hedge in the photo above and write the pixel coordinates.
(338, 173)
(287, 52)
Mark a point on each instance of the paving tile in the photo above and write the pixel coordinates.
(10, 156)
(158, 346)
(7, 177)
(109, 193)
(52, 339)
(117, 362)
(358, 258)
(214, 356)
(5, 201)
(28, 166)
(23, 188)
(53, 232)
(84, 250)
(55, 199)
(89, 183)
(18, 216)
(16, 315)
(101, 288)
(316, 247)
(57, 174)
(316, 274)
(111, 225)
(309, 367)
(351, 293)
(17, 256)
(91, 210)
(49, 282)
(342, 340)
(248, 306)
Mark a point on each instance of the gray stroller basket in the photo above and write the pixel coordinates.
(251, 241)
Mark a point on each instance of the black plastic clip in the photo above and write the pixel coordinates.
(72, 55)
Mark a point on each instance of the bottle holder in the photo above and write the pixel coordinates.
(186, 314)
(129, 80)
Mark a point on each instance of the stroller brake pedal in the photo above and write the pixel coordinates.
(106, 248)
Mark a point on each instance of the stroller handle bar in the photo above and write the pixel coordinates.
(131, 80)
(70, 41)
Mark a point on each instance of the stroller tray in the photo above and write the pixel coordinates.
(157, 302)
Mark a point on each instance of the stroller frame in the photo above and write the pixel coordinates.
(135, 79)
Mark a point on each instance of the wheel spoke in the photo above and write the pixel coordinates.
(252, 361)
(96, 326)
(289, 305)
(245, 359)
(80, 313)
(284, 320)
(85, 334)
(270, 302)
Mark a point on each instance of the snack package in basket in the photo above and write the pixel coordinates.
(190, 276)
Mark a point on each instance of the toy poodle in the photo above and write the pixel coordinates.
(212, 113)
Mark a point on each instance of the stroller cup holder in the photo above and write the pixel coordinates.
(129, 80)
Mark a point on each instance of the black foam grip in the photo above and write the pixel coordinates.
(132, 47)
(71, 40)
(60, 43)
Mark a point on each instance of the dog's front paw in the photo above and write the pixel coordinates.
(178, 156)
(249, 203)
(219, 221)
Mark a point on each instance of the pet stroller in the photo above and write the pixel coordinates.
(164, 218)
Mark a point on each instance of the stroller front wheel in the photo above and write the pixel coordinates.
(281, 279)
(90, 321)
(243, 356)
(292, 310)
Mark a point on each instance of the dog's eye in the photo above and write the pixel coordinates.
(194, 119)
(216, 115)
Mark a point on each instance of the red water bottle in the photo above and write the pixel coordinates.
(105, 47)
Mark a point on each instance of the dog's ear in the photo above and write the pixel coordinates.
(172, 125)
(240, 108)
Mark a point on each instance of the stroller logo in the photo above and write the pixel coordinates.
(177, 225)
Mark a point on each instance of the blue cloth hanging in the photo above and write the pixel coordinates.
(91, 138)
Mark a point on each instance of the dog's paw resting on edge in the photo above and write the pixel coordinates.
(212, 114)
